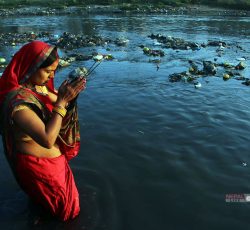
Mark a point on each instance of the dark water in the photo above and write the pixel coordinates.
(155, 154)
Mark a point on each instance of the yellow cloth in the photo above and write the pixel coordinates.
(42, 90)
(19, 107)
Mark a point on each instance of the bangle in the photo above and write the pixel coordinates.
(60, 110)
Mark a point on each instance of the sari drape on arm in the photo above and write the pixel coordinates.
(47, 181)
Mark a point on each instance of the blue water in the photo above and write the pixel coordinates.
(154, 154)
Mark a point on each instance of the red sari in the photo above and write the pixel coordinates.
(47, 181)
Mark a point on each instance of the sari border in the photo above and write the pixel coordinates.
(39, 60)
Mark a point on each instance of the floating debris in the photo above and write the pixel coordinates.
(156, 43)
(121, 41)
(174, 43)
(81, 57)
(108, 57)
(3, 66)
(221, 48)
(71, 41)
(56, 36)
(227, 65)
(98, 57)
(240, 66)
(2, 60)
(152, 52)
(226, 76)
(193, 69)
(157, 67)
(246, 82)
(154, 61)
(13, 39)
(183, 76)
(241, 59)
(209, 67)
(63, 63)
(176, 77)
(197, 85)
(241, 78)
(217, 43)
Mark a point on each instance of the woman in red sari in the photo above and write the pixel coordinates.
(40, 129)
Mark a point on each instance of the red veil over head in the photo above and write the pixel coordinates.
(24, 63)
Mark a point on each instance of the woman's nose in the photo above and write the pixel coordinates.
(52, 75)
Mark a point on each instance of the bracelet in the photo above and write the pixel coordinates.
(60, 110)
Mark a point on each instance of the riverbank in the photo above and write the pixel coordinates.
(120, 9)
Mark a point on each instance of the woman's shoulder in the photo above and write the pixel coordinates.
(25, 94)
(22, 96)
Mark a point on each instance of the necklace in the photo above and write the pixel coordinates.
(40, 89)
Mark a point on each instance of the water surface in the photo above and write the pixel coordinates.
(154, 154)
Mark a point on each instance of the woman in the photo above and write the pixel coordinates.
(40, 128)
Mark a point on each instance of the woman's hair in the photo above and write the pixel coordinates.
(50, 59)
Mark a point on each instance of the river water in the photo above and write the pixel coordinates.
(154, 154)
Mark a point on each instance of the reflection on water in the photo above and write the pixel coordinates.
(155, 154)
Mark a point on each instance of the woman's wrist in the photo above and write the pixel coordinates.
(59, 110)
(61, 103)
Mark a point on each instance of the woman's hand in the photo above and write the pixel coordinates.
(68, 91)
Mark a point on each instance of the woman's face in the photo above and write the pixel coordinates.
(43, 75)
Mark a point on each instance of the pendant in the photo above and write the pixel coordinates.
(41, 90)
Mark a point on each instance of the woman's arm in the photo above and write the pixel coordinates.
(46, 134)
(52, 97)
